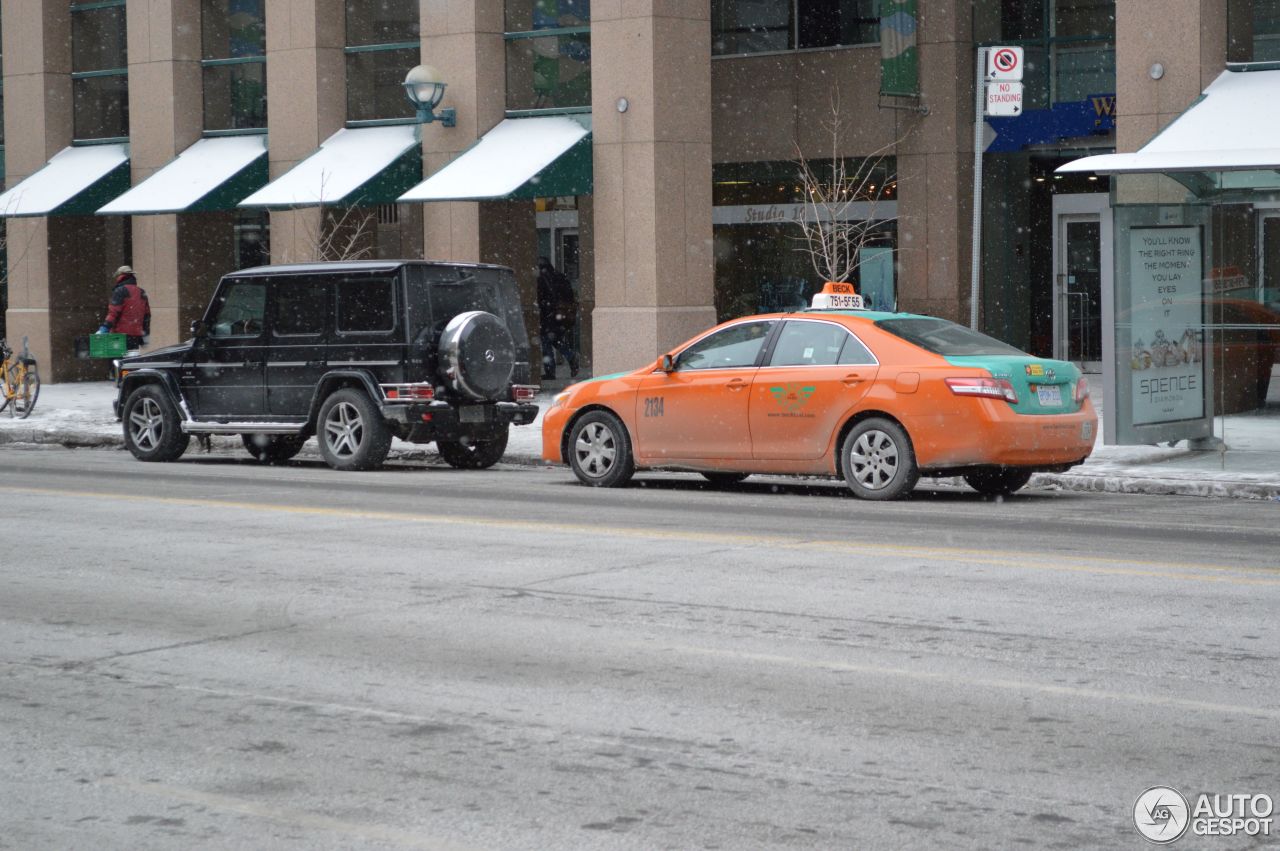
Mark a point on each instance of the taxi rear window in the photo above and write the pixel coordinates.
(945, 338)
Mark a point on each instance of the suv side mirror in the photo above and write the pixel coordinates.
(199, 328)
(668, 363)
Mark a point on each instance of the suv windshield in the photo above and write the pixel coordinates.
(946, 338)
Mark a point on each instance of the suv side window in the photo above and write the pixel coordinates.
(241, 311)
(301, 308)
(366, 306)
(733, 347)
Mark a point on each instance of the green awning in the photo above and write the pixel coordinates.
(212, 174)
(355, 166)
(539, 157)
(76, 181)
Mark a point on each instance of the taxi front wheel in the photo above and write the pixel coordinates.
(600, 451)
(877, 460)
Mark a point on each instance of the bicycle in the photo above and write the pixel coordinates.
(19, 380)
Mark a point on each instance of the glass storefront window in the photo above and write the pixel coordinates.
(381, 22)
(98, 38)
(382, 45)
(253, 238)
(375, 83)
(548, 45)
(1266, 30)
(99, 70)
(235, 96)
(101, 106)
(762, 26)
(1070, 48)
(549, 72)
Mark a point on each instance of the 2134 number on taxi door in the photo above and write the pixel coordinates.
(653, 406)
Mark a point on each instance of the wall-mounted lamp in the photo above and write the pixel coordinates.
(425, 89)
(1156, 71)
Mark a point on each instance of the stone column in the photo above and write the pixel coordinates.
(935, 171)
(37, 88)
(1187, 37)
(165, 118)
(307, 94)
(652, 172)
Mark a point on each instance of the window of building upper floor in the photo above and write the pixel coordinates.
(762, 26)
(383, 44)
(548, 45)
(1265, 31)
(99, 70)
(1069, 44)
(233, 37)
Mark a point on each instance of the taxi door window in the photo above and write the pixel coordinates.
(808, 344)
(734, 347)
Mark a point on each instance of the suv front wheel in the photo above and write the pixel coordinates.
(351, 432)
(471, 454)
(152, 431)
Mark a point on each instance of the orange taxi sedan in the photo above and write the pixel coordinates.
(879, 399)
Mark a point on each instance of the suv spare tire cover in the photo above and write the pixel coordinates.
(477, 355)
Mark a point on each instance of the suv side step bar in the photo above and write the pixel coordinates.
(191, 427)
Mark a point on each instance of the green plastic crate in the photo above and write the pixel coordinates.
(107, 345)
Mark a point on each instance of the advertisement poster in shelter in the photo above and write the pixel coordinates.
(1166, 365)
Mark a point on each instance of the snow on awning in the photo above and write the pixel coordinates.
(76, 181)
(1230, 128)
(520, 158)
(361, 165)
(212, 174)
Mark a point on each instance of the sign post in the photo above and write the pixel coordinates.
(1001, 67)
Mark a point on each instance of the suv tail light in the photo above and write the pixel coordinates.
(423, 392)
(992, 388)
(524, 392)
(1082, 390)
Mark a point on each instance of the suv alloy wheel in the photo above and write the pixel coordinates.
(351, 431)
(151, 428)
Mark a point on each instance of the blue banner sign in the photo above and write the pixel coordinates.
(1095, 115)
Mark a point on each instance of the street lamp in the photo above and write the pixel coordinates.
(425, 89)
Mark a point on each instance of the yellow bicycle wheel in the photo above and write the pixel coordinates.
(25, 382)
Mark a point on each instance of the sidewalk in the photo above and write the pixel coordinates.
(79, 414)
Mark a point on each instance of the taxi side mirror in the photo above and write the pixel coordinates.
(668, 363)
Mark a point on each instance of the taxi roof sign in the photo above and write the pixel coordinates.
(838, 295)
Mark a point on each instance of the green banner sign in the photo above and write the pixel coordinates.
(899, 62)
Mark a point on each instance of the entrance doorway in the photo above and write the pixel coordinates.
(1082, 266)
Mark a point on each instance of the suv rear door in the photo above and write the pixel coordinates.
(301, 312)
(367, 333)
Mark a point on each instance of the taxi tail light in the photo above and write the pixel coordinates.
(523, 392)
(1082, 390)
(992, 388)
(410, 392)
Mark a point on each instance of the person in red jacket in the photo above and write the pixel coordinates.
(129, 311)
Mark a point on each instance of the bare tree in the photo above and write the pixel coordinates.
(338, 233)
(832, 240)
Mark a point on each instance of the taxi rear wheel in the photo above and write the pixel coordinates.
(600, 451)
(877, 460)
(998, 481)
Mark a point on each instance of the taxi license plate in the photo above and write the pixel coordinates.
(1050, 395)
(471, 414)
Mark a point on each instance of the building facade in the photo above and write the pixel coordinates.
(278, 130)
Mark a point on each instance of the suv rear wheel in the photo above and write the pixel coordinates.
(351, 432)
(152, 431)
(273, 448)
(472, 454)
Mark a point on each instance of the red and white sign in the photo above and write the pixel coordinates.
(1004, 63)
(1004, 98)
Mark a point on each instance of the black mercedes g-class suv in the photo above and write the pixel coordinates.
(354, 353)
